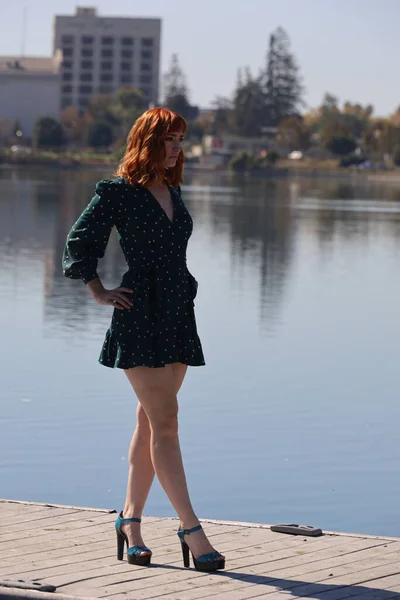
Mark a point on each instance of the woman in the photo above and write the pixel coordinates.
(153, 335)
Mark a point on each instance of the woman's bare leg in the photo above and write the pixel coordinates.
(155, 390)
(141, 470)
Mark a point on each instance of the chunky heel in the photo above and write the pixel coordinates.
(134, 554)
(120, 546)
(185, 554)
(213, 561)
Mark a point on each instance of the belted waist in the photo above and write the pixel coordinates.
(155, 280)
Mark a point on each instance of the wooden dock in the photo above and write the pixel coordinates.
(73, 549)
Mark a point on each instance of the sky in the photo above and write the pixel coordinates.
(349, 48)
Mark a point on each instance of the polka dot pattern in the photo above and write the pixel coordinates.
(160, 327)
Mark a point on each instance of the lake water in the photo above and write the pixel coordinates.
(295, 417)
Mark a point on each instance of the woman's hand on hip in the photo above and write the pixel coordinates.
(117, 297)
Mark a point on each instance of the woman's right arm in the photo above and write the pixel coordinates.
(87, 242)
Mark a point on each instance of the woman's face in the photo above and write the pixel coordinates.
(173, 146)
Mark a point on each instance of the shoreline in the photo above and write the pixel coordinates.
(391, 177)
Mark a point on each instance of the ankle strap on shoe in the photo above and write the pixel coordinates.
(188, 531)
(130, 519)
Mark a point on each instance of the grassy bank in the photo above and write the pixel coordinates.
(307, 167)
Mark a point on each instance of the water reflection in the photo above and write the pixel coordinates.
(260, 221)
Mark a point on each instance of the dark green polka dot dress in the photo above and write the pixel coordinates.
(160, 327)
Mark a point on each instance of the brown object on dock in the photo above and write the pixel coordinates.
(74, 549)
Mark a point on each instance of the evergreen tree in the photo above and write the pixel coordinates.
(282, 84)
(47, 133)
(176, 94)
(100, 134)
(249, 106)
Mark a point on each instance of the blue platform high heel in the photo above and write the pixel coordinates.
(133, 553)
(213, 561)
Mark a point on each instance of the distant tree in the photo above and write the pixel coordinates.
(221, 121)
(128, 106)
(174, 80)
(243, 161)
(341, 145)
(272, 157)
(102, 108)
(100, 135)
(329, 105)
(356, 118)
(282, 85)
(47, 133)
(131, 98)
(293, 134)
(396, 155)
(394, 119)
(75, 125)
(381, 137)
(249, 106)
(176, 93)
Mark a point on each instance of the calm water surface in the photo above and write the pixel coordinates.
(296, 415)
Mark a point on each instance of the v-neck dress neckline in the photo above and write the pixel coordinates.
(171, 193)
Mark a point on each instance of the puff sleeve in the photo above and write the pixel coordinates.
(88, 238)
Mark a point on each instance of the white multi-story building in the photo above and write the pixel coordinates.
(29, 88)
(103, 54)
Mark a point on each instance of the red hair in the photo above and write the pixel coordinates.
(143, 161)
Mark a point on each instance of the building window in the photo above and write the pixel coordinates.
(126, 66)
(66, 89)
(107, 53)
(67, 52)
(86, 77)
(86, 64)
(67, 64)
(107, 41)
(126, 53)
(106, 65)
(67, 76)
(146, 91)
(127, 41)
(147, 54)
(145, 79)
(147, 42)
(85, 89)
(66, 101)
(83, 101)
(105, 89)
(126, 78)
(87, 40)
(86, 53)
(67, 39)
(105, 77)
(145, 66)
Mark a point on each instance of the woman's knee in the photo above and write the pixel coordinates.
(142, 424)
(164, 421)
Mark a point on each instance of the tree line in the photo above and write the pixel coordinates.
(268, 105)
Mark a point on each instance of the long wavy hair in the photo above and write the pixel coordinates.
(144, 157)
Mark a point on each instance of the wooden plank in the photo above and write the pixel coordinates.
(62, 540)
(173, 558)
(19, 509)
(247, 576)
(74, 549)
(312, 584)
(60, 525)
(387, 584)
(35, 520)
(294, 546)
(4, 501)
